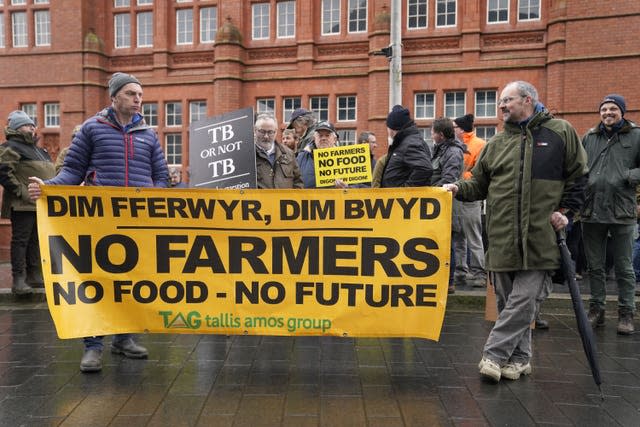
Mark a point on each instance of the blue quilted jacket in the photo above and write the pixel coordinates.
(105, 153)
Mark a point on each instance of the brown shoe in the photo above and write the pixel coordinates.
(625, 322)
(595, 316)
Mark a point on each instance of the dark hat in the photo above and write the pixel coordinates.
(465, 122)
(298, 112)
(398, 117)
(616, 99)
(326, 126)
(19, 118)
(118, 80)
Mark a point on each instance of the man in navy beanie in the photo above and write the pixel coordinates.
(610, 208)
(409, 156)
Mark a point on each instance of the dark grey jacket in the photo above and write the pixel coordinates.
(447, 162)
(614, 174)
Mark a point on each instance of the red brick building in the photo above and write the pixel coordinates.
(205, 57)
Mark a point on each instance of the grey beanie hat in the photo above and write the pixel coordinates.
(19, 118)
(118, 80)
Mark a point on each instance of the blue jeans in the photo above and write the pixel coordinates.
(636, 259)
(95, 343)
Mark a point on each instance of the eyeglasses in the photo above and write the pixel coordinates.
(265, 132)
(508, 99)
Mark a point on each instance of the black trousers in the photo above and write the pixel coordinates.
(25, 250)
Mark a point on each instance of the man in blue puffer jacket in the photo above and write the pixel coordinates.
(113, 148)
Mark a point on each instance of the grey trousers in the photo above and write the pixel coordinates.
(516, 296)
(470, 239)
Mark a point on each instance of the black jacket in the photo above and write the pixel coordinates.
(408, 160)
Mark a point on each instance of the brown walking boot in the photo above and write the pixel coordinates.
(595, 316)
(625, 322)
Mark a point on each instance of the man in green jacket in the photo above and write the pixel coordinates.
(532, 175)
(276, 165)
(613, 149)
(20, 158)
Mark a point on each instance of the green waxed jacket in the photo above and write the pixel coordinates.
(21, 158)
(526, 173)
(614, 165)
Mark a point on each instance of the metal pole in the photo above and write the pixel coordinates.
(395, 66)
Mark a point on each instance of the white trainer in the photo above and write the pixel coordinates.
(513, 370)
(490, 369)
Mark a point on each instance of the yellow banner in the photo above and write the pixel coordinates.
(351, 164)
(361, 262)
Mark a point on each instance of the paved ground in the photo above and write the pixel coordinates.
(211, 380)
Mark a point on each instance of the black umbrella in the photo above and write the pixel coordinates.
(584, 327)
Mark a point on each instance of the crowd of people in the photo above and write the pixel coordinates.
(533, 179)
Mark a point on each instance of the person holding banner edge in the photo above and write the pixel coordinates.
(533, 175)
(114, 148)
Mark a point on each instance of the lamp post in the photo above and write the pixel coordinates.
(395, 60)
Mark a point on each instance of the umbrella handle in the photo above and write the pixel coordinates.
(561, 235)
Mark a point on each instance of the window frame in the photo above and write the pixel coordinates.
(446, 14)
(481, 131)
(269, 103)
(212, 25)
(498, 9)
(347, 137)
(296, 102)
(151, 115)
(31, 109)
(334, 21)
(199, 103)
(417, 108)
(184, 26)
(51, 118)
(176, 117)
(320, 111)
(265, 25)
(2, 39)
(346, 109)
(417, 16)
(23, 26)
(146, 26)
(485, 104)
(119, 35)
(170, 148)
(528, 7)
(42, 38)
(286, 25)
(358, 19)
(458, 109)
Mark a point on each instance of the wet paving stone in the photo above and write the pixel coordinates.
(210, 380)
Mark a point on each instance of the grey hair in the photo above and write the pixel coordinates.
(526, 89)
(266, 116)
